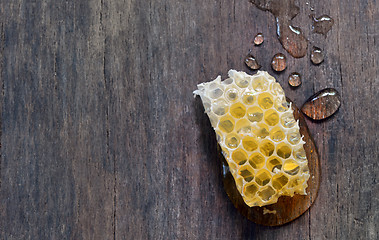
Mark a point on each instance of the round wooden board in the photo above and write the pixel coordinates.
(287, 208)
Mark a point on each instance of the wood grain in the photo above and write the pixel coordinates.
(101, 137)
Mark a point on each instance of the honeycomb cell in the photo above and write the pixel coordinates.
(207, 104)
(267, 193)
(232, 167)
(232, 94)
(219, 136)
(241, 82)
(295, 182)
(283, 150)
(225, 152)
(213, 119)
(220, 108)
(291, 167)
(271, 117)
(215, 91)
(239, 156)
(213, 86)
(305, 169)
(281, 104)
(250, 143)
(267, 148)
(270, 78)
(227, 81)
(239, 183)
(287, 120)
(257, 160)
(293, 136)
(276, 134)
(247, 173)
(259, 84)
(232, 140)
(263, 177)
(254, 114)
(261, 130)
(279, 181)
(250, 190)
(299, 154)
(274, 164)
(276, 89)
(265, 100)
(248, 98)
(243, 126)
(226, 124)
(238, 110)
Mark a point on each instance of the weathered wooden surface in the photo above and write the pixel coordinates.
(102, 138)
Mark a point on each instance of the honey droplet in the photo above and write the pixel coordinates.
(294, 79)
(322, 24)
(258, 39)
(251, 62)
(317, 56)
(279, 62)
(323, 104)
(292, 39)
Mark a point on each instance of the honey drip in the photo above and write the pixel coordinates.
(291, 37)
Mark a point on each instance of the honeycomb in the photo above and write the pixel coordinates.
(258, 135)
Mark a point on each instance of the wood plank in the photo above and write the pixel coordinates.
(56, 179)
(347, 141)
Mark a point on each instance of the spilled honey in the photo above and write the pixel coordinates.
(291, 37)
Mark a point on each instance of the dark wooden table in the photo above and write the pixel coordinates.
(101, 137)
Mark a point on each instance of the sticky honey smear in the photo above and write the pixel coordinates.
(258, 135)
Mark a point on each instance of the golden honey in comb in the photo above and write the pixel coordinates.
(258, 135)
